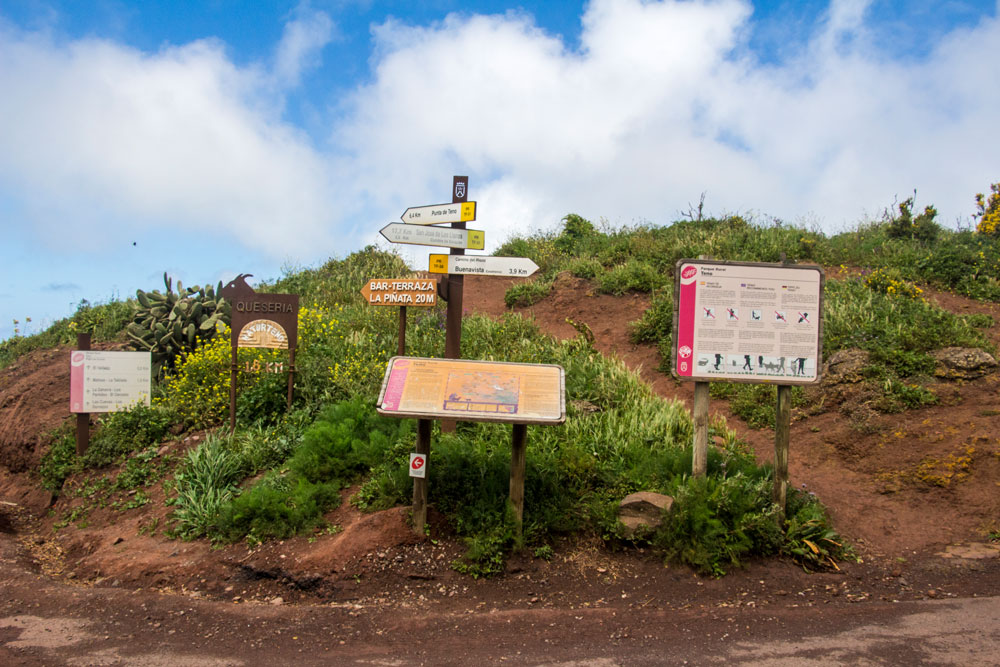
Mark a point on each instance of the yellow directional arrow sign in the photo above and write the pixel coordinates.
(437, 214)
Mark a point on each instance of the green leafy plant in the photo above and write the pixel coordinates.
(169, 324)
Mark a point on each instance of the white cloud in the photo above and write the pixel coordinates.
(660, 102)
(97, 136)
(301, 42)
(663, 101)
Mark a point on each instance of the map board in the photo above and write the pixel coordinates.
(466, 390)
(108, 381)
(747, 322)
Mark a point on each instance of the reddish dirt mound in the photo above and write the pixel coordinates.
(34, 399)
(907, 482)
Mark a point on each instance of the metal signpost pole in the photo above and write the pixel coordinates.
(82, 418)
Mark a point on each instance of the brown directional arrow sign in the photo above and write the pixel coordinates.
(400, 292)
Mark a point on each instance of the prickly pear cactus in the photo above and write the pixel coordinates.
(170, 324)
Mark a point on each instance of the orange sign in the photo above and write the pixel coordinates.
(473, 391)
(400, 292)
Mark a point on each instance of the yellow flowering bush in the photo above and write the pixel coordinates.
(989, 212)
(889, 283)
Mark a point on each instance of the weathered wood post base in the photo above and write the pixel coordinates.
(401, 345)
(420, 483)
(518, 450)
(233, 371)
(699, 459)
(782, 426)
(291, 378)
(82, 418)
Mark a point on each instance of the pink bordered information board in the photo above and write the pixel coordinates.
(108, 381)
(466, 390)
(748, 322)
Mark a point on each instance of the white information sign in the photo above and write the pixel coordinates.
(108, 381)
(748, 322)
(436, 214)
(484, 265)
(418, 465)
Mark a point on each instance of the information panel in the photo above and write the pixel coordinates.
(747, 322)
(473, 391)
(108, 381)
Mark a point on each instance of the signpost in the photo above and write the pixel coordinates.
(514, 393)
(520, 267)
(108, 381)
(444, 237)
(105, 382)
(747, 322)
(436, 214)
(260, 320)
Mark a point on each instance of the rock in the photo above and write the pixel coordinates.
(845, 366)
(963, 363)
(643, 509)
(277, 601)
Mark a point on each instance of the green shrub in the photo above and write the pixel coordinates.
(121, 433)
(635, 275)
(527, 293)
(60, 461)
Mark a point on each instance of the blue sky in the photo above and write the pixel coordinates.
(216, 137)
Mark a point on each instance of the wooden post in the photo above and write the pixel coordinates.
(456, 287)
(82, 418)
(699, 457)
(420, 483)
(233, 371)
(291, 376)
(401, 344)
(782, 426)
(518, 450)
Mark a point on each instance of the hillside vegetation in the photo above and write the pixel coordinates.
(282, 470)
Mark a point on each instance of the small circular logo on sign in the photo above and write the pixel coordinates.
(689, 272)
(684, 351)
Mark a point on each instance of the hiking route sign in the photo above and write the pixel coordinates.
(747, 322)
(466, 390)
(108, 381)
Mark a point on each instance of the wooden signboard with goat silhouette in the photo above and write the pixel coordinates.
(260, 320)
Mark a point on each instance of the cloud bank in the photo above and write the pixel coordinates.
(660, 102)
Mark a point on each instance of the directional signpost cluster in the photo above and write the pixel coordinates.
(418, 228)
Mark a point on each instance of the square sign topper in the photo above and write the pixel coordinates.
(747, 322)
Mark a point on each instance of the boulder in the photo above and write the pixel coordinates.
(644, 508)
(845, 366)
(963, 363)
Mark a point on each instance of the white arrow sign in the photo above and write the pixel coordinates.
(439, 213)
(482, 265)
(446, 237)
